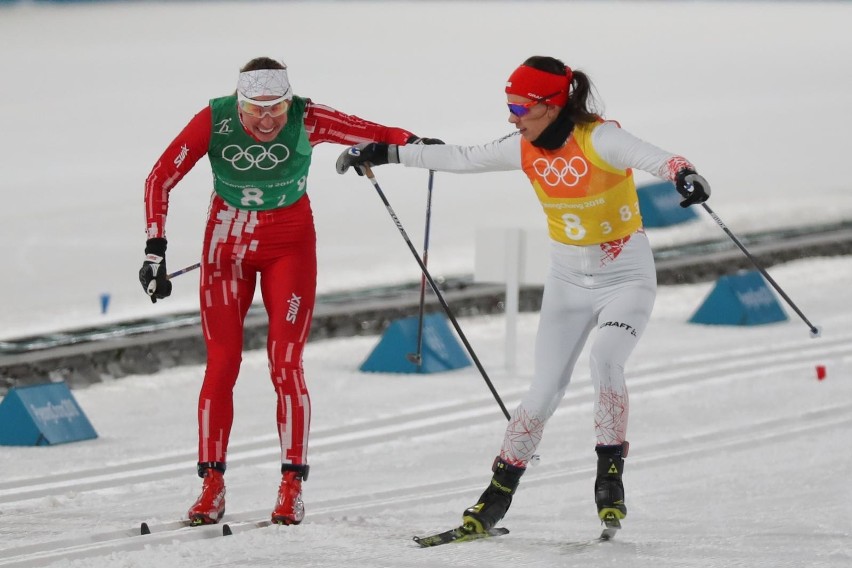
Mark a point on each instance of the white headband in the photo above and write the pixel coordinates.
(264, 82)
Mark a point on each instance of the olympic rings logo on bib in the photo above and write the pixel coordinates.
(560, 170)
(255, 156)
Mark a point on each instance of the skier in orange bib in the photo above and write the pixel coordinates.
(601, 275)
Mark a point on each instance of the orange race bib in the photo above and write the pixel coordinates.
(586, 200)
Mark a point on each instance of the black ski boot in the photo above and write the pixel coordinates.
(609, 489)
(495, 501)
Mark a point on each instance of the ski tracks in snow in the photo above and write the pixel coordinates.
(685, 373)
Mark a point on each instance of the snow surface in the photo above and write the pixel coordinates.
(739, 454)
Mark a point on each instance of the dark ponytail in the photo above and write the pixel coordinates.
(582, 105)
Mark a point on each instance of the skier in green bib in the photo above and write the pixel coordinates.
(260, 227)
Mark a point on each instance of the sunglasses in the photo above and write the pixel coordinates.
(522, 109)
(274, 108)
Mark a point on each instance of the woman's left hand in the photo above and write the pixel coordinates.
(692, 186)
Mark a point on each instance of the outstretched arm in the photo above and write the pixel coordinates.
(501, 155)
(325, 124)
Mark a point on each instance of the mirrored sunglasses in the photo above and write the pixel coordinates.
(274, 108)
(522, 109)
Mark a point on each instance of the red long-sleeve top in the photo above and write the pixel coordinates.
(322, 123)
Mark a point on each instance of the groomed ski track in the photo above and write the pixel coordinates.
(427, 426)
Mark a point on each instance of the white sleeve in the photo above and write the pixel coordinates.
(623, 150)
(500, 155)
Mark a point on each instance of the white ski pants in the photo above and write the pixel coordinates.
(611, 287)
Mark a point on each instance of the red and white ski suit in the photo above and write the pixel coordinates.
(277, 245)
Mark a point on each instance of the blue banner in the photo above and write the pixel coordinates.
(740, 299)
(42, 415)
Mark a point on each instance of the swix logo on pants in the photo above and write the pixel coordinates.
(293, 309)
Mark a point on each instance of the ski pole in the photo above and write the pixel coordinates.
(815, 331)
(183, 270)
(369, 173)
(417, 358)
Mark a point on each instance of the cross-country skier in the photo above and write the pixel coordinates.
(260, 225)
(601, 275)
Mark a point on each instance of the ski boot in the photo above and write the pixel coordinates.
(289, 509)
(609, 489)
(210, 505)
(495, 500)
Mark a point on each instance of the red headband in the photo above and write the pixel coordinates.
(535, 84)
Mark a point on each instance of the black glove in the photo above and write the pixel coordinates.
(425, 141)
(693, 187)
(153, 275)
(370, 154)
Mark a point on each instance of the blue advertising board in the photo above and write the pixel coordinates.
(42, 415)
(440, 350)
(740, 299)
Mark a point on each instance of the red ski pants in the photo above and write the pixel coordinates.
(279, 246)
